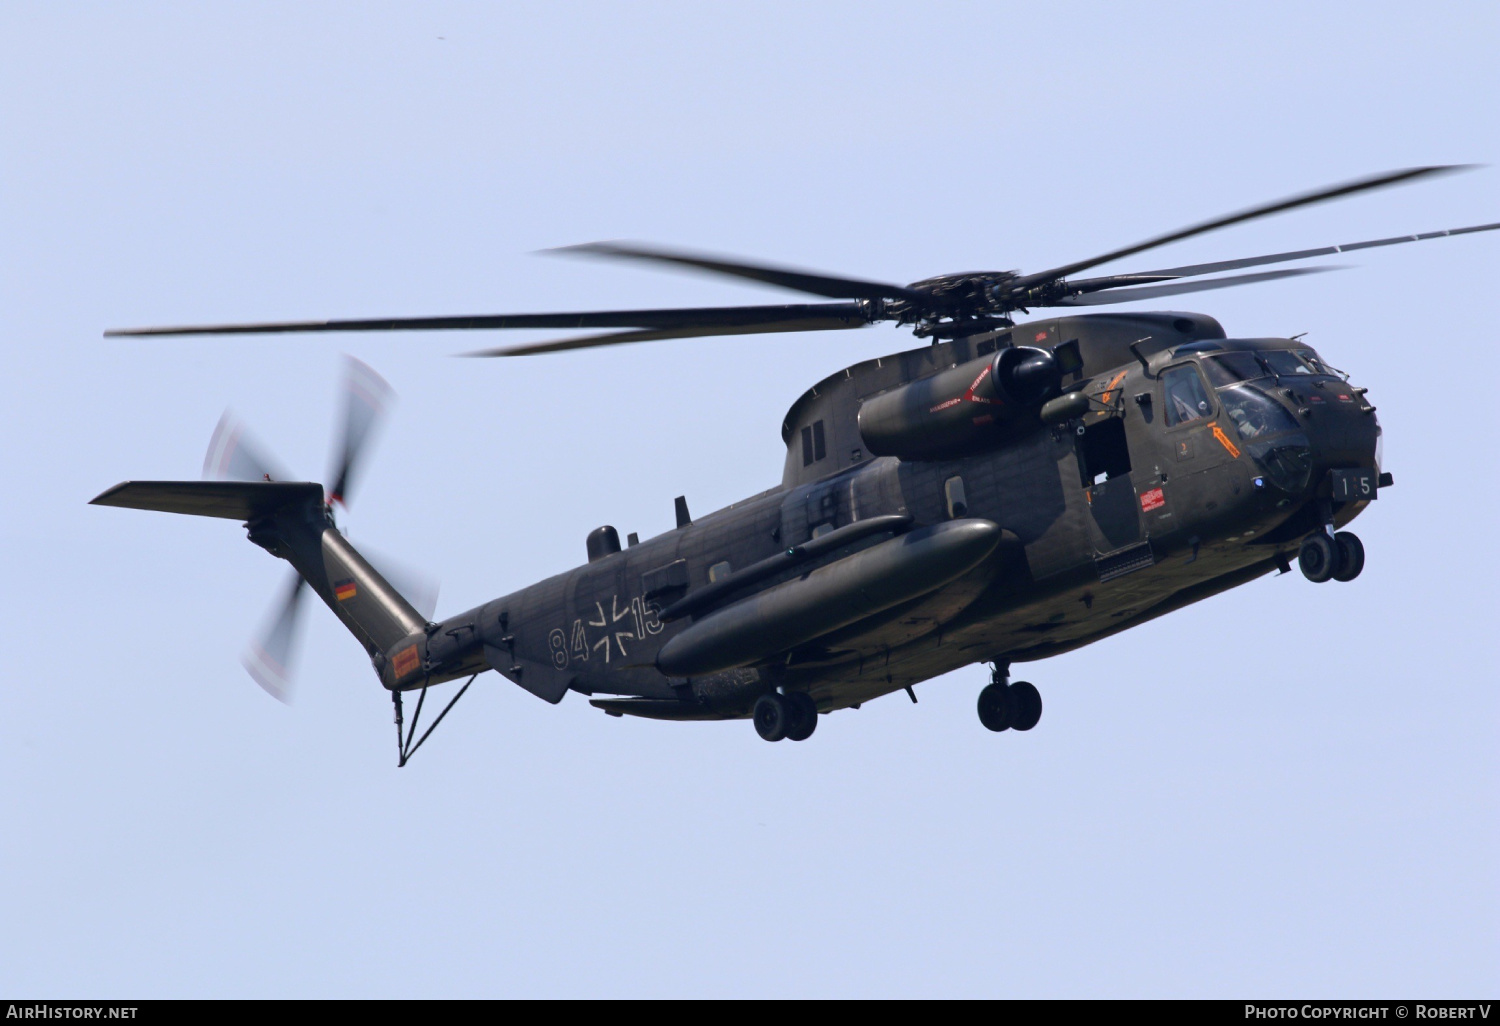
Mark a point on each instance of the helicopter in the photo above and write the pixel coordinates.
(1006, 492)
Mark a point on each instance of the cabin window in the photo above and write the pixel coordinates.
(814, 445)
(1186, 398)
(1102, 451)
(821, 530)
(953, 493)
(718, 571)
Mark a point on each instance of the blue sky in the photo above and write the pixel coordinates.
(1290, 789)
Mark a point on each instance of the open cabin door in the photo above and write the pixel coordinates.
(1104, 466)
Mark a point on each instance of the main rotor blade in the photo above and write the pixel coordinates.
(801, 281)
(366, 398)
(1157, 291)
(268, 660)
(1190, 270)
(1350, 188)
(665, 318)
(233, 456)
(828, 323)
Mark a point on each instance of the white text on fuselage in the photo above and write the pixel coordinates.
(636, 621)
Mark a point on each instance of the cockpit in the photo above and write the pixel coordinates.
(1242, 380)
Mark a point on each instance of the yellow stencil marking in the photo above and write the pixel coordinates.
(1224, 440)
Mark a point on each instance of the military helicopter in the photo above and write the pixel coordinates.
(1003, 493)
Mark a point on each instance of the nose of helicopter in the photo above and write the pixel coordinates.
(1339, 431)
(1340, 423)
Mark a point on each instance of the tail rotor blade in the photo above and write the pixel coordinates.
(268, 660)
(367, 396)
(234, 456)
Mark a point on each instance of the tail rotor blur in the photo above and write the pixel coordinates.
(233, 455)
(269, 657)
(367, 397)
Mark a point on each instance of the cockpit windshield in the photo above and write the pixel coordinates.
(1268, 430)
(1232, 367)
(1229, 368)
(1290, 363)
(1253, 412)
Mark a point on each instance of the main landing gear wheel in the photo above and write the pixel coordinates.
(1351, 556)
(772, 717)
(1005, 706)
(1026, 705)
(1340, 558)
(1319, 558)
(997, 706)
(804, 715)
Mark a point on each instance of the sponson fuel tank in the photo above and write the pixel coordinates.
(829, 598)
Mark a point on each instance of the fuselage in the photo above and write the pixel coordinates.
(1200, 463)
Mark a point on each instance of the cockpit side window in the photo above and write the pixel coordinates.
(1186, 398)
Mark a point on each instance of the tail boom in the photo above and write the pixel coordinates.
(291, 521)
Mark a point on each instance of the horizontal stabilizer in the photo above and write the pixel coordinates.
(232, 500)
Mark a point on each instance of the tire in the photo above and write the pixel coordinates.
(1351, 556)
(772, 717)
(1319, 558)
(804, 718)
(1026, 703)
(996, 707)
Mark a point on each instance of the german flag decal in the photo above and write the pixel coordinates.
(406, 661)
(344, 590)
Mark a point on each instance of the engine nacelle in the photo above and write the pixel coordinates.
(964, 409)
(1027, 376)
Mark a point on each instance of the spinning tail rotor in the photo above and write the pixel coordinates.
(295, 520)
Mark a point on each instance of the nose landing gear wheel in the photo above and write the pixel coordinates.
(804, 715)
(1319, 558)
(772, 716)
(997, 706)
(1351, 556)
(1026, 705)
